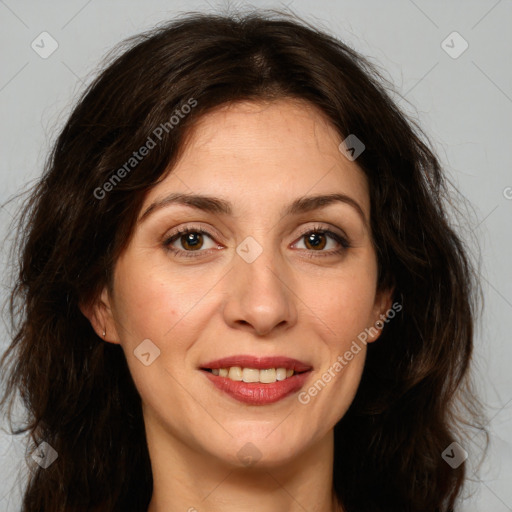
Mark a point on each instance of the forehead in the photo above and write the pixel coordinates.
(264, 153)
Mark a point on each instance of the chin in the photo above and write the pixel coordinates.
(258, 449)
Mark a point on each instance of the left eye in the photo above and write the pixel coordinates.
(317, 239)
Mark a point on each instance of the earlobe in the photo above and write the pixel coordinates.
(99, 314)
(383, 302)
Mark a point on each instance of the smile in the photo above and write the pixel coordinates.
(265, 376)
(257, 381)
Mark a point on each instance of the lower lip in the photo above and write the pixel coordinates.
(256, 393)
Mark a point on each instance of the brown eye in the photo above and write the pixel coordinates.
(315, 240)
(186, 242)
(192, 240)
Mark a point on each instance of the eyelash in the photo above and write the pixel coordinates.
(344, 243)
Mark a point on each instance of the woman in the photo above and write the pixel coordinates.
(238, 287)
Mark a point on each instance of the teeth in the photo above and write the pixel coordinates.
(281, 373)
(235, 373)
(266, 376)
(250, 375)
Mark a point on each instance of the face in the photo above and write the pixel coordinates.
(252, 275)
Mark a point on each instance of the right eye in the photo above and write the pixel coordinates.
(191, 240)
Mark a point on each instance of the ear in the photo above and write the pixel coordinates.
(381, 308)
(99, 314)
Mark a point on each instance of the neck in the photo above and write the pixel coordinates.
(186, 479)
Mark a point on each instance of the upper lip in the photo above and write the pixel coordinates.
(247, 361)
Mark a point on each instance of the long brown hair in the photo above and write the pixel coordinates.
(415, 396)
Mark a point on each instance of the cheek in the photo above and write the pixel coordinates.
(150, 301)
(345, 305)
(167, 308)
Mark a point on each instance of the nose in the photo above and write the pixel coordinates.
(260, 295)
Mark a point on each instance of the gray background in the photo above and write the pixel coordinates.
(464, 104)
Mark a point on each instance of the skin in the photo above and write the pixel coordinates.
(260, 157)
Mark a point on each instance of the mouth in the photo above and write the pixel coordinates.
(263, 375)
(257, 381)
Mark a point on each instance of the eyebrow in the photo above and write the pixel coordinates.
(220, 206)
